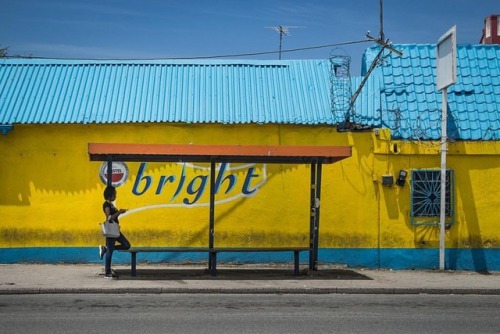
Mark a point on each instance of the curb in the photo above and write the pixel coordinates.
(375, 291)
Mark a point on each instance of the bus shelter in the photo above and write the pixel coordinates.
(315, 156)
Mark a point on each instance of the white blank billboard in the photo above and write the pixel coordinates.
(446, 59)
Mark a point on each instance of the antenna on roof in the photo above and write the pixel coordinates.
(283, 30)
(385, 43)
(381, 33)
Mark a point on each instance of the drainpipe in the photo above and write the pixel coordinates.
(5, 128)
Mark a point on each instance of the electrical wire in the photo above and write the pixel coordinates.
(210, 57)
(282, 51)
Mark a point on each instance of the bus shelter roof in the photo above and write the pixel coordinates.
(217, 153)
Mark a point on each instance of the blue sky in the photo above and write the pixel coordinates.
(154, 29)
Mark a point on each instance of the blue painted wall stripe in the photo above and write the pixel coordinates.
(390, 258)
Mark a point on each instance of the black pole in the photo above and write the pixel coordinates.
(312, 223)
(211, 255)
(212, 206)
(317, 205)
(109, 178)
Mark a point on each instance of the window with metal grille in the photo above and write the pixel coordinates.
(426, 197)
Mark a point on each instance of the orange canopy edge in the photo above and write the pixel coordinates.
(216, 153)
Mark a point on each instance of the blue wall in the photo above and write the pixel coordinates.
(399, 258)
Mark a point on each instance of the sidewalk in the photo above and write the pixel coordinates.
(262, 278)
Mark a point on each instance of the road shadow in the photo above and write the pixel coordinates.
(235, 273)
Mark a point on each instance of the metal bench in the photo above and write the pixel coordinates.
(212, 263)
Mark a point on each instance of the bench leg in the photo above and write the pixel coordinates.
(213, 264)
(296, 263)
(133, 269)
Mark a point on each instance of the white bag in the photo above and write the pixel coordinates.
(110, 229)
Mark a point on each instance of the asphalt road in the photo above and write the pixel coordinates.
(260, 313)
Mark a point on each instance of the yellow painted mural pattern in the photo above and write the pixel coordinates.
(52, 194)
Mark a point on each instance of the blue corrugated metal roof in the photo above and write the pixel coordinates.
(400, 94)
(208, 91)
(410, 105)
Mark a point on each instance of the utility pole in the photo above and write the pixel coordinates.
(381, 34)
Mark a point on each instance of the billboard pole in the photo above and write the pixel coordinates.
(446, 75)
(444, 149)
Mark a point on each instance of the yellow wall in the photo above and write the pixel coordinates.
(52, 194)
(476, 167)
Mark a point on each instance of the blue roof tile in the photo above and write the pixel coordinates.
(475, 95)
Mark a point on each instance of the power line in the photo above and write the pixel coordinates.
(213, 56)
(282, 51)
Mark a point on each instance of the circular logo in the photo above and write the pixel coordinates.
(119, 173)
